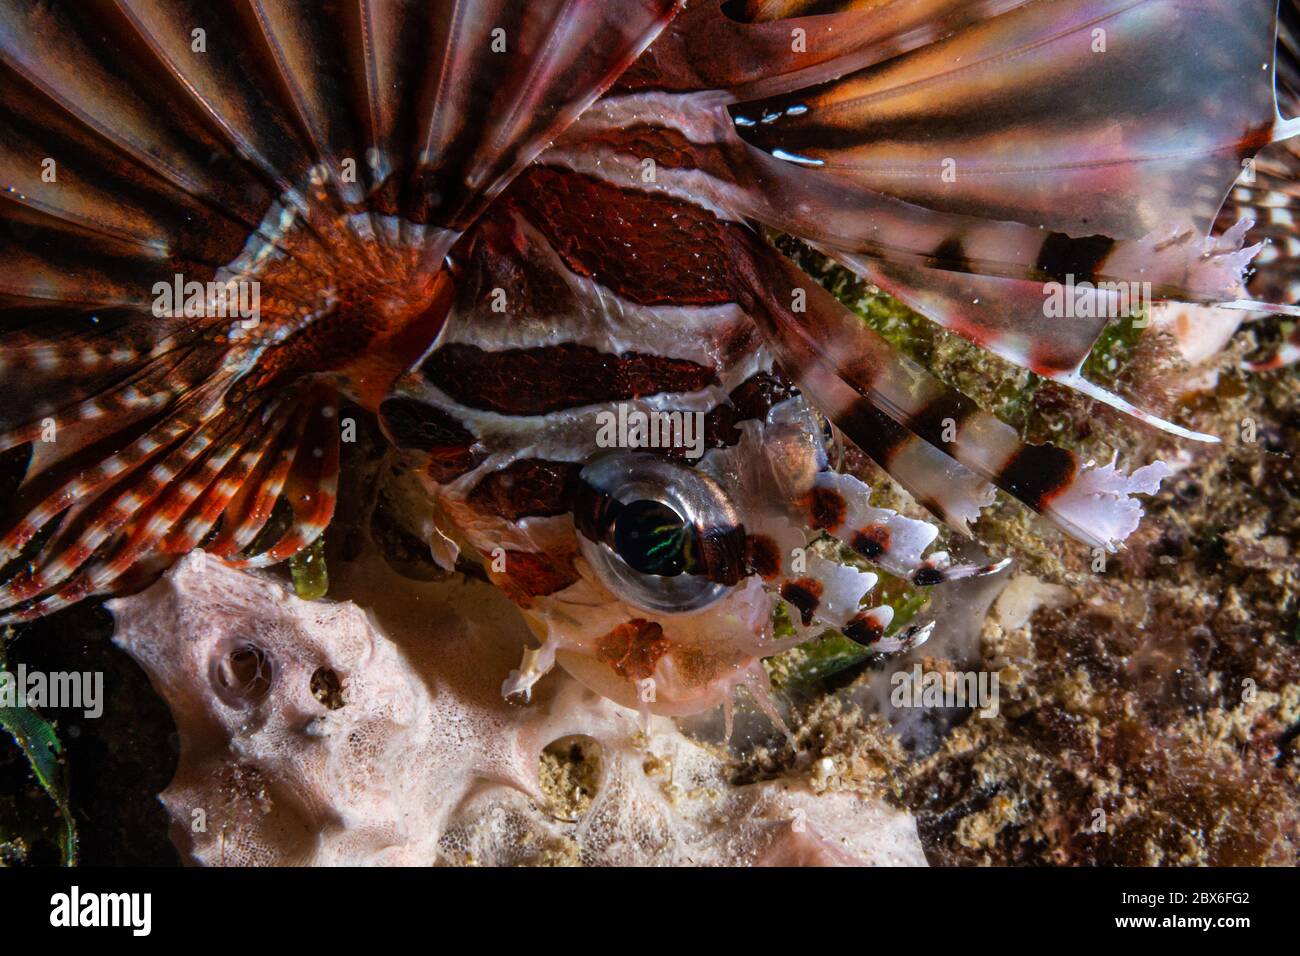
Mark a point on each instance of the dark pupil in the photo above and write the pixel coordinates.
(651, 538)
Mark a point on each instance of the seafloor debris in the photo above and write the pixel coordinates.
(314, 732)
(1149, 711)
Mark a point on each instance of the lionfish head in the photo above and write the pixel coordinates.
(641, 478)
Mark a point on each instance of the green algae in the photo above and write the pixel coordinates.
(311, 578)
(1114, 349)
(39, 742)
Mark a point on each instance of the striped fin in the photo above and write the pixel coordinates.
(785, 513)
(130, 482)
(986, 266)
(754, 47)
(311, 484)
(249, 509)
(965, 164)
(1047, 114)
(1127, 203)
(842, 365)
(1010, 318)
(943, 486)
(165, 494)
(205, 455)
(1269, 193)
(321, 160)
(1174, 261)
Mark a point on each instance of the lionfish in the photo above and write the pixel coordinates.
(492, 223)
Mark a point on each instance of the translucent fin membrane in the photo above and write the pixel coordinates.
(844, 367)
(891, 161)
(1046, 115)
(972, 167)
(1002, 314)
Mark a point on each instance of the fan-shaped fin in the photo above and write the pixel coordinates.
(769, 48)
(215, 218)
(1083, 116)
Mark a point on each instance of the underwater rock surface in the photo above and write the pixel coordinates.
(318, 733)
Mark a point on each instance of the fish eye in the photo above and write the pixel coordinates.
(652, 538)
(658, 534)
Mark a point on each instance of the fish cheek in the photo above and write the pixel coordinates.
(636, 666)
